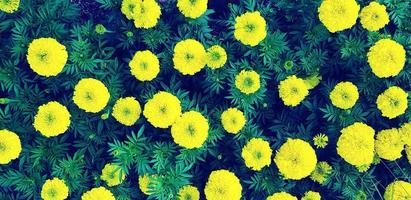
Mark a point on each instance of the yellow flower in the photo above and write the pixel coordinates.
(338, 15)
(216, 57)
(52, 119)
(310, 195)
(144, 182)
(111, 174)
(127, 110)
(54, 189)
(295, 159)
(386, 58)
(356, 145)
(257, 154)
(91, 95)
(320, 140)
(192, 8)
(189, 57)
(188, 192)
(292, 90)
(233, 120)
(281, 196)
(250, 28)
(10, 146)
(223, 184)
(100, 193)
(398, 190)
(46, 56)
(9, 6)
(127, 7)
(344, 95)
(405, 132)
(389, 144)
(190, 130)
(247, 82)
(392, 102)
(374, 17)
(162, 110)
(146, 13)
(144, 65)
(321, 172)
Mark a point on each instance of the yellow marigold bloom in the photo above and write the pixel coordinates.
(338, 15)
(398, 190)
(190, 130)
(46, 56)
(188, 192)
(162, 110)
(144, 182)
(146, 14)
(192, 8)
(223, 184)
(386, 58)
(257, 154)
(392, 102)
(344, 95)
(356, 145)
(310, 195)
(91, 95)
(405, 132)
(320, 140)
(281, 196)
(144, 65)
(250, 28)
(247, 82)
(52, 119)
(292, 90)
(189, 57)
(10, 146)
(54, 189)
(321, 172)
(127, 7)
(127, 110)
(111, 174)
(389, 144)
(295, 159)
(216, 57)
(233, 120)
(100, 193)
(9, 6)
(374, 17)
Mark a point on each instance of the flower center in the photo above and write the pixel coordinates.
(88, 96)
(126, 111)
(2, 147)
(233, 120)
(294, 90)
(188, 197)
(191, 129)
(249, 28)
(42, 56)
(340, 10)
(50, 118)
(131, 8)
(193, 2)
(143, 65)
(215, 56)
(375, 16)
(258, 155)
(248, 82)
(345, 96)
(163, 109)
(52, 193)
(189, 57)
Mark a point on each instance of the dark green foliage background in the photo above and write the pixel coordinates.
(294, 34)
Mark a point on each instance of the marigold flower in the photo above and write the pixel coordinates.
(9, 6)
(344, 95)
(248, 82)
(292, 90)
(91, 95)
(257, 154)
(188, 192)
(52, 119)
(162, 110)
(10, 146)
(54, 189)
(100, 193)
(398, 190)
(374, 16)
(392, 102)
(281, 196)
(46, 56)
(144, 65)
(338, 15)
(216, 57)
(223, 184)
(190, 130)
(386, 58)
(189, 57)
(233, 120)
(250, 28)
(127, 110)
(192, 8)
(111, 174)
(389, 144)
